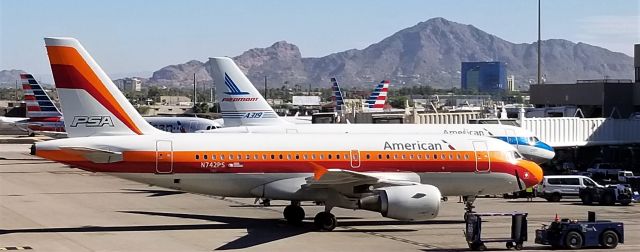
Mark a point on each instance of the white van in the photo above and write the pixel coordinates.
(554, 187)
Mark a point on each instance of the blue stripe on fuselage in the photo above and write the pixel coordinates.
(524, 141)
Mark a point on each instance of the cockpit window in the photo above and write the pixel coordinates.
(518, 155)
(513, 156)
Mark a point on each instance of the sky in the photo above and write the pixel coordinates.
(135, 36)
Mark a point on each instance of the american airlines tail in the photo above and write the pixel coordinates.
(378, 97)
(336, 96)
(92, 104)
(39, 105)
(241, 104)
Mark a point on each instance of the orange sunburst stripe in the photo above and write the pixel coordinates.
(66, 63)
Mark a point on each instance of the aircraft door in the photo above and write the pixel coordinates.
(355, 158)
(483, 160)
(164, 156)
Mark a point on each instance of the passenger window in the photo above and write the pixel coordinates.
(255, 156)
(466, 156)
(337, 156)
(247, 157)
(297, 156)
(313, 156)
(197, 157)
(379, 156)
(321, 156)
(213, 157)
(458, 156)
(419, 156)
(205, 156)
(264, 156)
(221, 156)
(239, 157)
(395, 156)
(403, 156)
(435, 156)
(329, 156)
(444, 156)
(368, 156)
(273, 156)
(572, 181)
(451, 156)
(288, 156)
(388, 156)
(554, 181)
(304, 156)
(411, 156)
(280, 156)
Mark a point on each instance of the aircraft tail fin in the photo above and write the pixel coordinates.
(336, 96)
(378, 97)
(92, 104)
(39, 104)
(240, 102)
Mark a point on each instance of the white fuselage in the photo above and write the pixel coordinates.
(277, 166)
(526, 143)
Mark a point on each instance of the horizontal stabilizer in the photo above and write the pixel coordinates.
(98, 156)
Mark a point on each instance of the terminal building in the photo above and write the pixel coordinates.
(484, 76)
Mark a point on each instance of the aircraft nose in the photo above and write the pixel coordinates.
(532, 173)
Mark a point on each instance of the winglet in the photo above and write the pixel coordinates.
(318, 171)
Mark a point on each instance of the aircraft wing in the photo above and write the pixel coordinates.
(344, 181)
(98, 156)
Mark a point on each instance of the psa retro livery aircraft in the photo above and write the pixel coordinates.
(400, 176)
(243, 105)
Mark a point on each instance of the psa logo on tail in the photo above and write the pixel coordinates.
(92, 121)
(233, 88)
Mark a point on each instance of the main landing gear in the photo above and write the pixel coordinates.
(294, 214)
(324, 221)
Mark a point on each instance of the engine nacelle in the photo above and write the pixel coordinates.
(411, 203)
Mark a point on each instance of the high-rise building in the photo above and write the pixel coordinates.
(131, 84)
(511, 83)
(484, 76)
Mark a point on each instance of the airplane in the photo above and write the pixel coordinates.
(402, 177)
(251, 111)
(378, 97)
(375, 102)
(336, 96)
(43, 116)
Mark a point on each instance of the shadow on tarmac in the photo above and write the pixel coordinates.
(259, 231)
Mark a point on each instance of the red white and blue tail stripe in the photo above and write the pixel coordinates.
(38, 102)
(336, 96)
(378, 97)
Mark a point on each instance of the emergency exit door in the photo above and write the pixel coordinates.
(483, 160)
(164, 156)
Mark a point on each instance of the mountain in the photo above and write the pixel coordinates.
(430, 53)
(8, 77)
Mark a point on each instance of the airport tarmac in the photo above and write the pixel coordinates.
(46, 206)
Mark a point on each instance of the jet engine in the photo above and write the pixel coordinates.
(411, 203)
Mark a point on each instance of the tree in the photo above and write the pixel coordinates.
(202, 107)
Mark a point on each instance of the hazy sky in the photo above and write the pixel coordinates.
(131, 36)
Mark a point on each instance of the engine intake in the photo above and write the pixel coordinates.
(410, 203)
